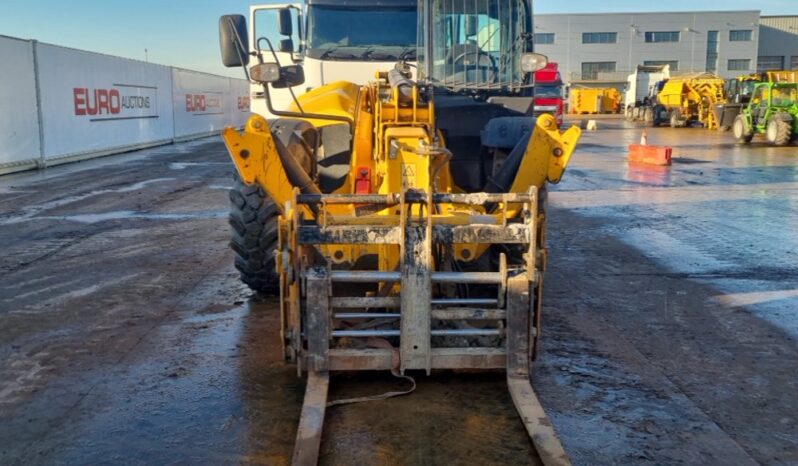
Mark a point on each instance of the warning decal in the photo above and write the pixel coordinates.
(408, 175)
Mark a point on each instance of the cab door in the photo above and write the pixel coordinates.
(760, 102)
(275, 45)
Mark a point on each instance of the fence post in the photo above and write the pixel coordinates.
(42, 162)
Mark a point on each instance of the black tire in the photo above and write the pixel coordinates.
(779, 131)
(676, 118)
(253, 218)
(656, 111)
(253, 215)
(742, 132)
(648, 116)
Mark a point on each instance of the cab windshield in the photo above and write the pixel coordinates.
(475, 44)
(784, 96)
(360, 34)
(551, 92)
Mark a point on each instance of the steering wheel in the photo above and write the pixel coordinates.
(479, 53)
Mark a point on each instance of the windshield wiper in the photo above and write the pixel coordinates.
(333, 53)
(371, 54)
(408, 53)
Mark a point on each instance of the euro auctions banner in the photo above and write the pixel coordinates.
(119, 102)
(92, 102)
(204, 103)
(239, 102)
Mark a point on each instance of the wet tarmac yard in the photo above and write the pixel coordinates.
(670, 321)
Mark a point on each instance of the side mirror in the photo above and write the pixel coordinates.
(233, 40)
(286, 28)
(280, 77)
(287, 45)
(470, 25)
(290, 76)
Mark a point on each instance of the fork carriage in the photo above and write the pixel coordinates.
(416, 308)
(417, 299)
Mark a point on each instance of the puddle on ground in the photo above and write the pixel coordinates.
(216, 390)
(184, 165)
(131, 215)
(32, 211)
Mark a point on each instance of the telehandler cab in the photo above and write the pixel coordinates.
(421, 246)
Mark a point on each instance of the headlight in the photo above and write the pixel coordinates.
(531, 62)
(265, 73)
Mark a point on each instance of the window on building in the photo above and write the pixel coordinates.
(712, 51)
(769, 63)
(662, 36)
(600, 38)
(794, 62)
(741, 35)
(544, 38)
(739, 65)
(674, 64)
(591, 70)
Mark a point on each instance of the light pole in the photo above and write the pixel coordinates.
(146, 58)
(632, 35)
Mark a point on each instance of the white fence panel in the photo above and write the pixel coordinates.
(90, 104)
(19, 121)
(93, 103)
(202, 103)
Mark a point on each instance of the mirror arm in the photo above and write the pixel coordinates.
(271, 48)
(277, 60)
(301, 113)
(239, 48)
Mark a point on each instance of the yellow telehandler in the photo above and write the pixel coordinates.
(421, 245)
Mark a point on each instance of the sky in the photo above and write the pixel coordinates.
(185, 33)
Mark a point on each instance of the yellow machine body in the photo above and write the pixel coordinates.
(392, 142)
(781, 76)
(372, 274)
(694, 96)
(405, 218)
(594, 100)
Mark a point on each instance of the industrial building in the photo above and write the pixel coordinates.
(778, 43)
(603, 49)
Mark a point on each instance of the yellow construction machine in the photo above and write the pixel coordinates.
(421, 246)
(590, 101)
(690, 98)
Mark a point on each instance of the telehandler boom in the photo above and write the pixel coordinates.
(427, 251)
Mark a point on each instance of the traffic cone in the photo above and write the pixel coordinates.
(644, 138)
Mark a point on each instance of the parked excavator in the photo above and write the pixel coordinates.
(410, 213)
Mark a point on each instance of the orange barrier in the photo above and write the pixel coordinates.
(651, 155)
